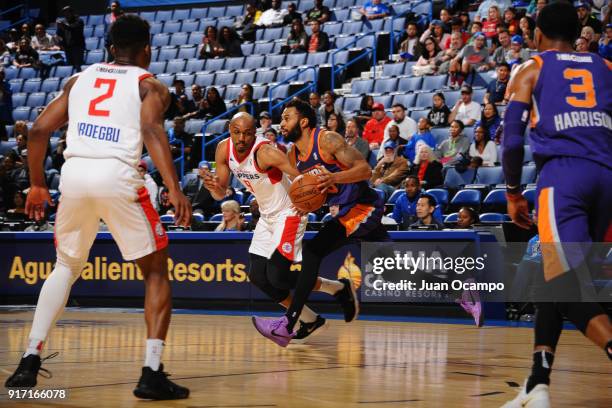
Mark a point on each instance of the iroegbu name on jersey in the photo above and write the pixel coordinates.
(106, 133)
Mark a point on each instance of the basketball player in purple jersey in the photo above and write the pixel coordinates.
(569, 96)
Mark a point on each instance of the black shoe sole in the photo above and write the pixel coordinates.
(145, 394)
(312, 335)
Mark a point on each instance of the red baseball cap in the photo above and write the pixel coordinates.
(378, 106)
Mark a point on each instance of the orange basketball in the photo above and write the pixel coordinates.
(304, 193)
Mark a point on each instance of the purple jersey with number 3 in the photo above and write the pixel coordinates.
(572, 101)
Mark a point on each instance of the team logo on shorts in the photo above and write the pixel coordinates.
(287, 247)
(159, 230)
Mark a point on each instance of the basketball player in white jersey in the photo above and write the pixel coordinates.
(277, 241)
(111, 109)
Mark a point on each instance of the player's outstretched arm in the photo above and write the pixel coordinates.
(356, 168)
(217, 183)
(154, 103)
(269, 156)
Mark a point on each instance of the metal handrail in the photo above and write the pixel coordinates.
(221, 116)
(24, 19)
(12, 9)
(354, 60)
(288, 80)
(403, 14)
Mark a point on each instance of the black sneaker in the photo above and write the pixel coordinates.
(27, 371)
(348, 300)
(309, 330)
(155, 385)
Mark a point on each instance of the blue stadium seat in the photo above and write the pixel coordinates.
(424, 99)
(234, 11)
(190, 26)
(254, 61)
(187, 52)
(440, 194)
(489, 175)
(198, 13)
(99, 31)
(224, 78)
(217, 127)
(194, 126)
(195, 38)
(204, 79)
(156, 28)
(394, 197)
(529, 174)
(214, 64)
(186, 77)
(440, 134)
(352, 103)
(21, 113)
(466, 197)
(216, 218)
(234, 63)
(395, 69)
(384, 99)
(492, 218)
(434, 82)
(260, 91)
(417, 113)
(161, 39)
(179, 39)
(174, 66)
(263, 47)
(316, 58)
(91, 43)
(384, 85)
(31, 85)
(264, 76)
(94, 57)
(157, 67)
(352, 27)
(55, 181)
(280, 92)
(406, 84)
(247, 48)
(50, 85)
(165, 78)
(194, 65)
(373, 25)
(244, 76)
(171, 27)
(63, 82)
(275, 61)
(27, 73)
(361, 86)
(6, 146)
(147, 15)
(478, 95)
(167, 218)
(343, 40)
(19, 99)
(10, 73)
(530, 195)
(216, 12)
(284, 73)
(50, 97)
(95, 19)
(36, 99)
(332, 28)
(406, 99)
(528, 157)
(451, 218)
(181, 14)
(271, 34)
(232, 91)
(372, 158)
(163, 15)
(452, 97)
(62, 71)
(495, 198)
(295, 60)
(454, 179)
(87, 31)
(167, 53)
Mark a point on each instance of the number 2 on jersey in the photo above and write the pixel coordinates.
(248, 186)
(585, 88)
(93, 110)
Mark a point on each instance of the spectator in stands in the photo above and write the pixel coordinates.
(374, 130)
(588, 33)
(115, 13)
(435, 31)
(196, 94)
(517, 54)
(334, 210)
(404, 211)
(210, 47)
(473, 57)
(390, 170)
(439, 113)
(297, 41)
(6, 58)
(315, 103)
(527, 26)
(273, 17)
(490, 24)
(427, 62)
(292, 14)
(18, 207)
(582, 45)
(335, 123)
(265, 123)
(233, 220)
(318, 40)
(490, 119)
(352, 137)
(465, 110)
(510, 23)
(365, 110)
(255, 215)
(165, 207)
(483, 147)
(26, 56)
(496, 90)
(406, 125)
(272, 136)
(586, 19)
(245, 96)
(443, 60)
(209, 107)
(70, 30)
(57, 155)
(26, 30)
(464, 16)
(426, 168)
(149, 183)
(455, 148)
(374, 9)
(467, 217)
(425, 207)
(605, 44)
(201, 200)
(22, 143)
(446, 18)
(456, 27)
(499, 55)
(177, 105)
(329, 107)
(13, 40)
(43, 41)
(474, 29)
(247, 24)
(409, 48)
(229, 43)
(535, 7)
(181, 139)
(318, 13)
(22, 174)
(483, 9)
(422, 136)
(6, 105)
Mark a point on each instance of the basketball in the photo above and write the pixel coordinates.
(305, 195)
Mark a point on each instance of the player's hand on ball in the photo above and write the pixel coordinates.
(182, 208)
(518, 210)
(326, 179)
(35, 202)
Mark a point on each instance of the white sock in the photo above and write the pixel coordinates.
(330, 286)
(155, 348)
(308, 315)
(35, 347)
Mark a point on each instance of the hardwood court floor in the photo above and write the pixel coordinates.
(226, 363)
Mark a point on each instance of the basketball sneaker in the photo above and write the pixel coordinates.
(347, 297)
(27, 371)
(155, 385)
(538, 397)
(308, 331)
(275, 330)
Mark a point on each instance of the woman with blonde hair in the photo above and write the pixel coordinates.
(426, 168)
(232, 218)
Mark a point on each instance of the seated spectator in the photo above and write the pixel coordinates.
(6, 105)
(535, 7)
(439, 113)
(272, 136)
(390, 170)
(406, 125)
(17, 210)
(475, 163)
(467, 217)
(13, 40)
(334, 210)
(149, 183)
(510, 22)
(426, 168)
(465, 110)
(582, 45)
(6, 58)
(26, 31)
(335, 123)
(475, 28)
(292, 14)
(196, 95)
(499, 55)
(43, 41)
(318, 40)
(453, 149)
(70, 30)
(587, 19)
(422, 136)
(165, 206)
(473, 57)
(57, 155)
(426, 64)
(490, 24)
(246, 23)
(22, 144)
(199, 196)
(210, 107)
(273, 17)
(409, 48)
(588, 33)
(318, 13)
(490, 120)
(265, 123)
(483, 9)
(464, 16)
(435, 31)
(605, 44)
(443, 60)
(425, 207)
(245, 96)
(483, 147)
(374, 130)
(527, 27)
(26, 56)
(255, 215)
(365, 109)
(179, 138)
(229, 43)
(315, 103)
(496, 90)
(233, 220)
(446, 18)
(21, 176)
(352, 137)
(329, 107)
(297, 41)
(374, 9)
(517, 54)
(179, 103)
(404, 211)
(210, 44)
(392, 134)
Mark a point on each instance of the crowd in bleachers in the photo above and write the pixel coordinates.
(432, 113)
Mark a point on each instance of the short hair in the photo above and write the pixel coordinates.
(503, 30)
(430, 199)
(130, 33)
(398, 105)
(559, 21)
(178, 81)
(440, 95)
(304, 109)
(460, 123)
(330, 93)
(503, 64)
(413, 178)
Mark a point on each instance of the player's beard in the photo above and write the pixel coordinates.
(294, 134)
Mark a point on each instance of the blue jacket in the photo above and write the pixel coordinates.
(410, 149)
(405, 209)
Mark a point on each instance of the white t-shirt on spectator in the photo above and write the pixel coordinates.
(467, 112)
(488, 155)
(272, 17)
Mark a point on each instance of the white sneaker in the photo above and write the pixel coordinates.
(537, 398)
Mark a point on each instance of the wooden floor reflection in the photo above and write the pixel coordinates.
(226, 363)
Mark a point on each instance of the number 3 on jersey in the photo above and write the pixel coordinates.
(93, 110)
(585, 88)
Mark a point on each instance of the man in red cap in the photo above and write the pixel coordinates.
(374, 130)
